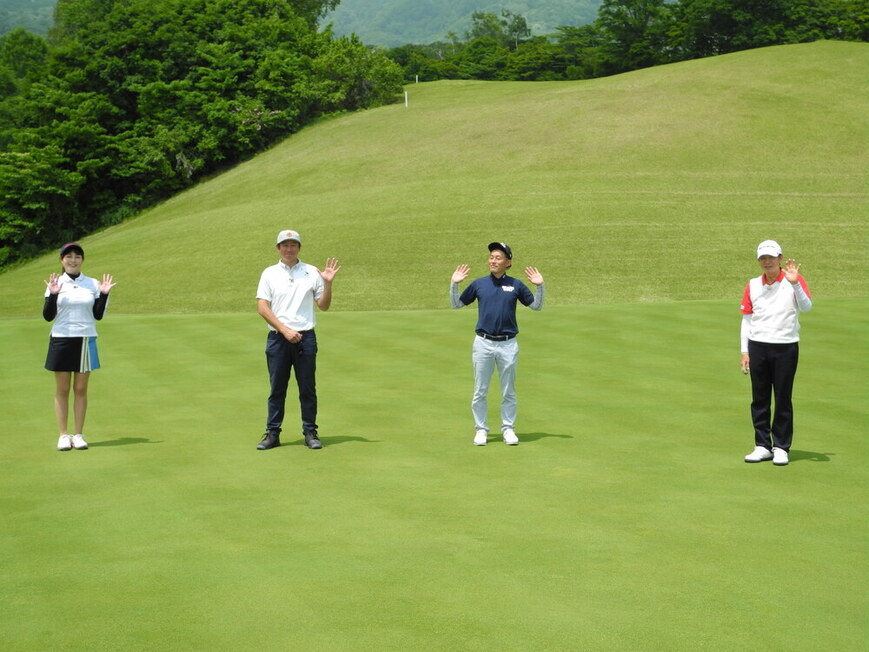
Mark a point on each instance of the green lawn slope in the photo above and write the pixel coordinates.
(650, 186)
(624, 520)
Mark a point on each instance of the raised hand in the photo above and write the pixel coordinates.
(329, 271)
(792, 270)
(107, 284)
(460, 274)
(53, 285)
(534, 276)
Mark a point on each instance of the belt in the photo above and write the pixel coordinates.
(496, 338)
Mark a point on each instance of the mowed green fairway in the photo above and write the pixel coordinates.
(625, 519)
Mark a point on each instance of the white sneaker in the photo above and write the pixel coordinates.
(510, 437)
(480, 438)
(79, 443)
(779, 457)
(64, 443)
(759, 454)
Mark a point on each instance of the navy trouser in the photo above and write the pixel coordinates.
(773, 367)
(283, 356)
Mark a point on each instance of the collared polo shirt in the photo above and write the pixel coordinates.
(75, 307)
(291, 291)
(497, 299)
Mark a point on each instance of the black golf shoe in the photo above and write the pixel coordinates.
(270, 440)
(312, 441)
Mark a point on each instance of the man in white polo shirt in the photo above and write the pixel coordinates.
(286, 296)
(769, 340)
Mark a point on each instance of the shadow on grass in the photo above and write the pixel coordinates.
(535, 436)
(122, 441)
(799, 456)
(335, 441)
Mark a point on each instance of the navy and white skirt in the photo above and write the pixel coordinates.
(78, 354)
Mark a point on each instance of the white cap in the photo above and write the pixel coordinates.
(768, 248)
(289, 235)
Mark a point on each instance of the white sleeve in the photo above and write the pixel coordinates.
(455, 302)
(319, 285)
(804, 302)
(539, 295)
(743, 333)
(263, 290)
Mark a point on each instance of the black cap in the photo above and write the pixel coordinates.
(502, 247)
(71, 246)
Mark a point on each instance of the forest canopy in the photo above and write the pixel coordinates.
(127, 102)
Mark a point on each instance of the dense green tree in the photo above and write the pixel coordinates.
(536, 60)
(23, 54)
(137, 99)
(581, 49)
(708, 27)
(353, 76)
(485, 57)
(508, 31)
(36, 192)
(634, 33)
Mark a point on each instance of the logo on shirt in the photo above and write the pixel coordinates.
(507, 288)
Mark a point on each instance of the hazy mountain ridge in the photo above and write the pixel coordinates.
(392, 23)
(426, 21)
(34, 15)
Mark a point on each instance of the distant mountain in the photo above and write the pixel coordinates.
(35, 15)
(377, 22)
(397, 22)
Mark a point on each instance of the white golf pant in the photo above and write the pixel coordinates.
(486, 356)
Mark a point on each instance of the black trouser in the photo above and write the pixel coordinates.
(773, 367)
(282, 356)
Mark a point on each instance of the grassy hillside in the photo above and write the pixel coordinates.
(650, 186)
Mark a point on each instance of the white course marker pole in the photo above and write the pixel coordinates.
(405, 99)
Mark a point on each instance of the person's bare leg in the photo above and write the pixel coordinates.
(62, 381)
(80, 402)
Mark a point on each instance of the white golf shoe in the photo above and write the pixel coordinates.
(780, 457)
(79, 443)
(64, 443)
(480, 438)
(510, 437)
(759, 454)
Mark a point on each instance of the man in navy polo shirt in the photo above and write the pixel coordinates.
(495, 344)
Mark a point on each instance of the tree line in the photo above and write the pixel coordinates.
(126, 102)
(628, 35)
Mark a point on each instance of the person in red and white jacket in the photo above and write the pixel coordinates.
(769, 344)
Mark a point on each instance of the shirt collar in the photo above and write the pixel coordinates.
(781, 275)
(288, 268)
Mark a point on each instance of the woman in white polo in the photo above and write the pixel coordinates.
(74, 302)
(769, 339)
